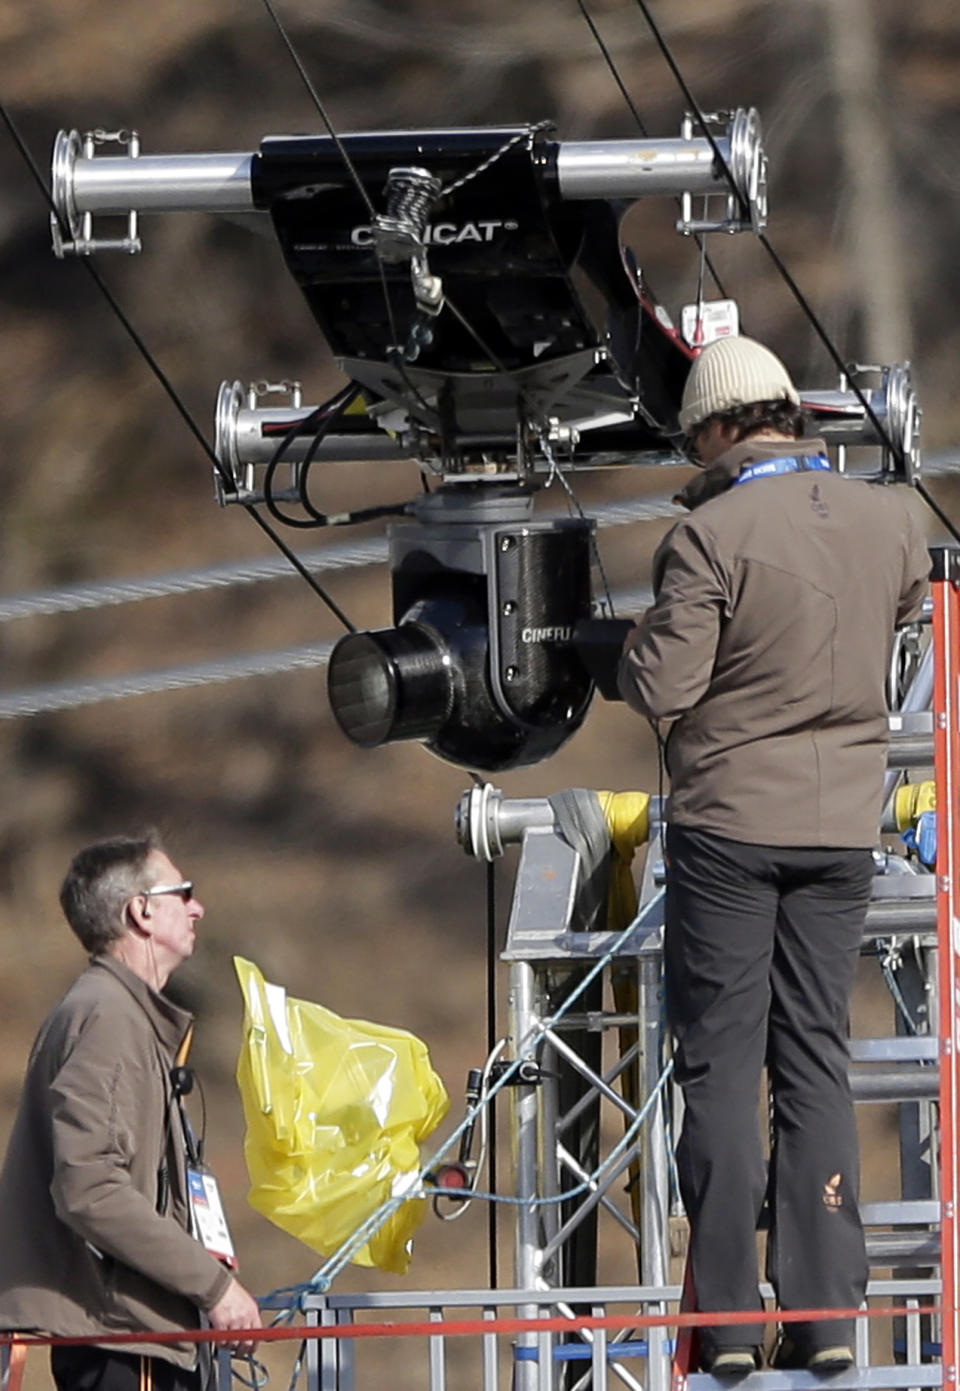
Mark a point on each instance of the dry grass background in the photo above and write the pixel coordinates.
(334, 869)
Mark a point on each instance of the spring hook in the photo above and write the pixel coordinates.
(410, 194)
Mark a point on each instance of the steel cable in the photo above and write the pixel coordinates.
(72, 695)
(109, 593)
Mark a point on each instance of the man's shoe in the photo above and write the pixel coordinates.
(832, 1359)
(731, 1363)
(787, 1356)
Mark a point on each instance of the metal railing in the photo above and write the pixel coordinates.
(468, 1340)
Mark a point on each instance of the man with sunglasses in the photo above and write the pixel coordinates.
(94, 1194)
(762, 661)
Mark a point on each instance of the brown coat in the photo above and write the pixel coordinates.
(83, 1247)
(767, 645)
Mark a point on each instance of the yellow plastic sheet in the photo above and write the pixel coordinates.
(336, 1110)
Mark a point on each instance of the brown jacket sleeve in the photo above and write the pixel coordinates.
(668, 658)
(109, 1075)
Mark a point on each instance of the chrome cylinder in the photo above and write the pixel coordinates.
(114, 184)
(164, 183)
(117, 184)
(638, 168)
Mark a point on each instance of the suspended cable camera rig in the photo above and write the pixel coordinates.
(475, 289)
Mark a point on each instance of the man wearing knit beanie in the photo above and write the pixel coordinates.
(762, 664)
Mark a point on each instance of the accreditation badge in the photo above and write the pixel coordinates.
(207, 1217)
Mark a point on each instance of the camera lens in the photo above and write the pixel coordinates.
(392, 684)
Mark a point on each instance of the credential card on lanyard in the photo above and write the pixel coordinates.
(207, 1216)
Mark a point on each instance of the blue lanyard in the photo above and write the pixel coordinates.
(794, 463)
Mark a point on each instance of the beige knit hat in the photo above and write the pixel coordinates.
(733, 372)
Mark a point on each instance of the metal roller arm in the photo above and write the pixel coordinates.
(86, 183)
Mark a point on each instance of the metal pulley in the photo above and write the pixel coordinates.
(842, 418)
(78, 222)
(743, 167)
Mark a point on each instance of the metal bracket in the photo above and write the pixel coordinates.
(528, 1074)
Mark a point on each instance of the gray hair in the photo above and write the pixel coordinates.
(100, 881)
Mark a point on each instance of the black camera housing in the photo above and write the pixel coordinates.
(482, 665)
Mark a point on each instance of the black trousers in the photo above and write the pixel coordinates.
(761, 945)
(103, 1369)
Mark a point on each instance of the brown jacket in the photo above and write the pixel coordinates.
(83, 1247)
(767, 645)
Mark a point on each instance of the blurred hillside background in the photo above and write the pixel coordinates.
(334, 869)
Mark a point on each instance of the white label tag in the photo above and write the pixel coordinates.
(704, 323)
(209, 1222)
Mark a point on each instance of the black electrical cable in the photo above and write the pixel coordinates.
(323, 417)
(358, 515)
(492, 1040)
(164, 380)
(343, 404)
(327, 416)
(641, 125)
(396, 357)
(781, 268)
(315, 98)
(722, 164)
